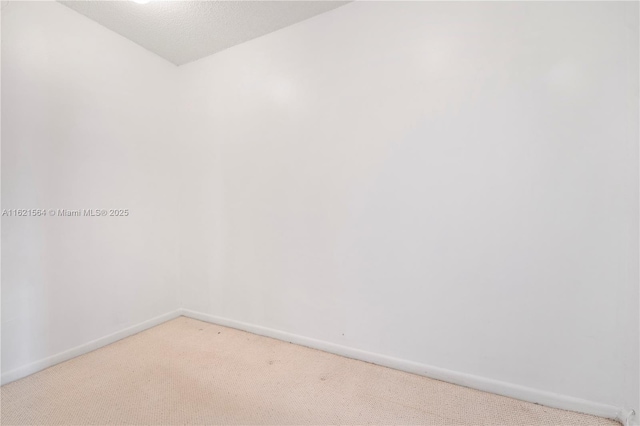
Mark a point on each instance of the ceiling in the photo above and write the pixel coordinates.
(183, 31)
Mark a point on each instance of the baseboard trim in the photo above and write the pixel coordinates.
(476, 382)
(34, 367)
(624, 416)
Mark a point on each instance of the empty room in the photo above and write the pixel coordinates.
(320, 213)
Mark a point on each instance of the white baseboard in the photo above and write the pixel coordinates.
(34, 367)
(626, 417)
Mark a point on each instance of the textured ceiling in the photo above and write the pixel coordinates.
(183, 31)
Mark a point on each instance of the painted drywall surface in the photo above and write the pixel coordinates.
(183, 31)
(87, 124)
(454, 184)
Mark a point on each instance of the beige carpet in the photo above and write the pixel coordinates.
(190, 372)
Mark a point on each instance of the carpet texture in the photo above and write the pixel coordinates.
(191, 372)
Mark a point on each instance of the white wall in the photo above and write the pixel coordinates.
(454, 184)
(86, 123)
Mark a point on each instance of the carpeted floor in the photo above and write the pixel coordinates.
(191, 372)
